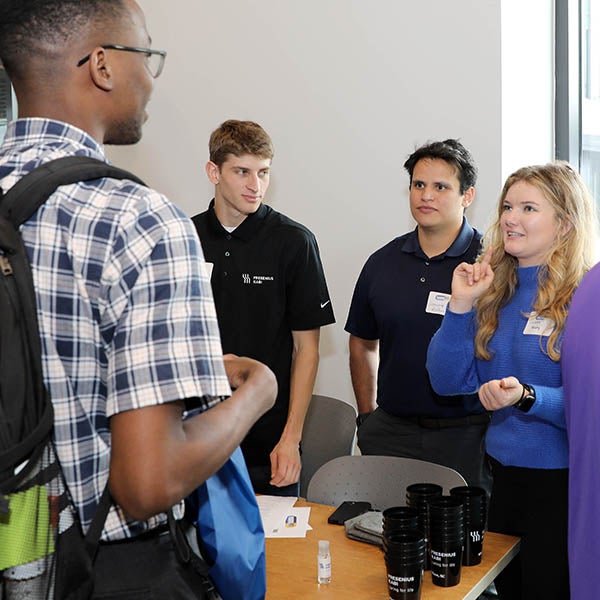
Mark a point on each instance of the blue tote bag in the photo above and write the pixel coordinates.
(230, 528)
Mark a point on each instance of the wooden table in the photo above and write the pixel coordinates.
(358, 569)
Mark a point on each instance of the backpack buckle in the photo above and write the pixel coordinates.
(5, 265)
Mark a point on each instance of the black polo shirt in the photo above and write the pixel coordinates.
(397, 300)
(267, 281)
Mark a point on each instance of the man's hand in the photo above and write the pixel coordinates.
(243, 370)
(157, 458)
(285, 456)
(285, 463)
(498, 393)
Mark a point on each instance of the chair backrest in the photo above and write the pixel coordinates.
(329, 430)
(380, 480)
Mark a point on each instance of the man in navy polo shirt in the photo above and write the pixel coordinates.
(270, 294)
(397, 306)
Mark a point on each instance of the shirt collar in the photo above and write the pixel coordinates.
(36, 132)
(246, 229)
(458, 247)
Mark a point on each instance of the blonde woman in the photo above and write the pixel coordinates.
(501, 336)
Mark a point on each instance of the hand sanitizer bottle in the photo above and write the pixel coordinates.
(324, 561)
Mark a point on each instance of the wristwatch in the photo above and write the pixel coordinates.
(525, 402)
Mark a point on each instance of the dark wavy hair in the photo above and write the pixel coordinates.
(30, 29)
(451, 151)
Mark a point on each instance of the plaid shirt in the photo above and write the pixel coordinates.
(125, 309)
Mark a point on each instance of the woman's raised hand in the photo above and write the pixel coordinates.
(469, 282)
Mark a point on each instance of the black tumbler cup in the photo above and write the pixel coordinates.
(446, 538)
(417, 495)
(475, 503)
(405, 553)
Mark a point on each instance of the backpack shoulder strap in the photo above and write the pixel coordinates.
(16, 206)
(31, 191)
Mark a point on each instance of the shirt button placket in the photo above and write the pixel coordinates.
(227, 254)
(423, 279)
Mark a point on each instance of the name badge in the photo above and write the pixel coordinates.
(538, 326)
(437, 303)
(208, 269)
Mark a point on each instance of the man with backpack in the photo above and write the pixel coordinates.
(127, 323)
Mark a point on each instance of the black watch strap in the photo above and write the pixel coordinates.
(527, 399)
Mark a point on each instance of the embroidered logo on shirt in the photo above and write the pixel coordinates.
(256, 279)
(324, 304)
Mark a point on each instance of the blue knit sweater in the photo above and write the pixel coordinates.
(536, 439)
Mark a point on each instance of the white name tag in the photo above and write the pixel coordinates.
(437, 303)
(208, 269)
(538, 326)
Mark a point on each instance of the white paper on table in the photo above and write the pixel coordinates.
(274, 509)
(294, 525)
(281, 519)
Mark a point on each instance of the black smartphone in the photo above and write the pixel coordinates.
(348, 510)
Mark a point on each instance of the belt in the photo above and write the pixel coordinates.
(432, 423)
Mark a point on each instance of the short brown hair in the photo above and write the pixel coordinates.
(239, 138)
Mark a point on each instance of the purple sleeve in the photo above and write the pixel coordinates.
(581, 379)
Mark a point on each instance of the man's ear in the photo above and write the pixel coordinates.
(100, 69)
(468, 197)
(213, 172)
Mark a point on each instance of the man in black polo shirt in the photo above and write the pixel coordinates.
(270, 294)
(398, 304)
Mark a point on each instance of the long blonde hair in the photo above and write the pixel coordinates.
(568, 260)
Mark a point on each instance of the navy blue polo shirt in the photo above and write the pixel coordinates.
(397, 287)
(267, 281)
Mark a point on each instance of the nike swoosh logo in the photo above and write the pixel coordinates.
(324, 304)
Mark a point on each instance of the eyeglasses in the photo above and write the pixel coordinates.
(155, 59)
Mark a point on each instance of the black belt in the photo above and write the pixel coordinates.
(432, 423)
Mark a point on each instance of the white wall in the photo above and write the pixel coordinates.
(527, 83)
(346, 89)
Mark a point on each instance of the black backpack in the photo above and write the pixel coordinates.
(43, 553)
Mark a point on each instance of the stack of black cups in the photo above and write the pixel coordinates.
(399, 518)
(417, 496)
(446, 538)
(475, 515)
(405, 551)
